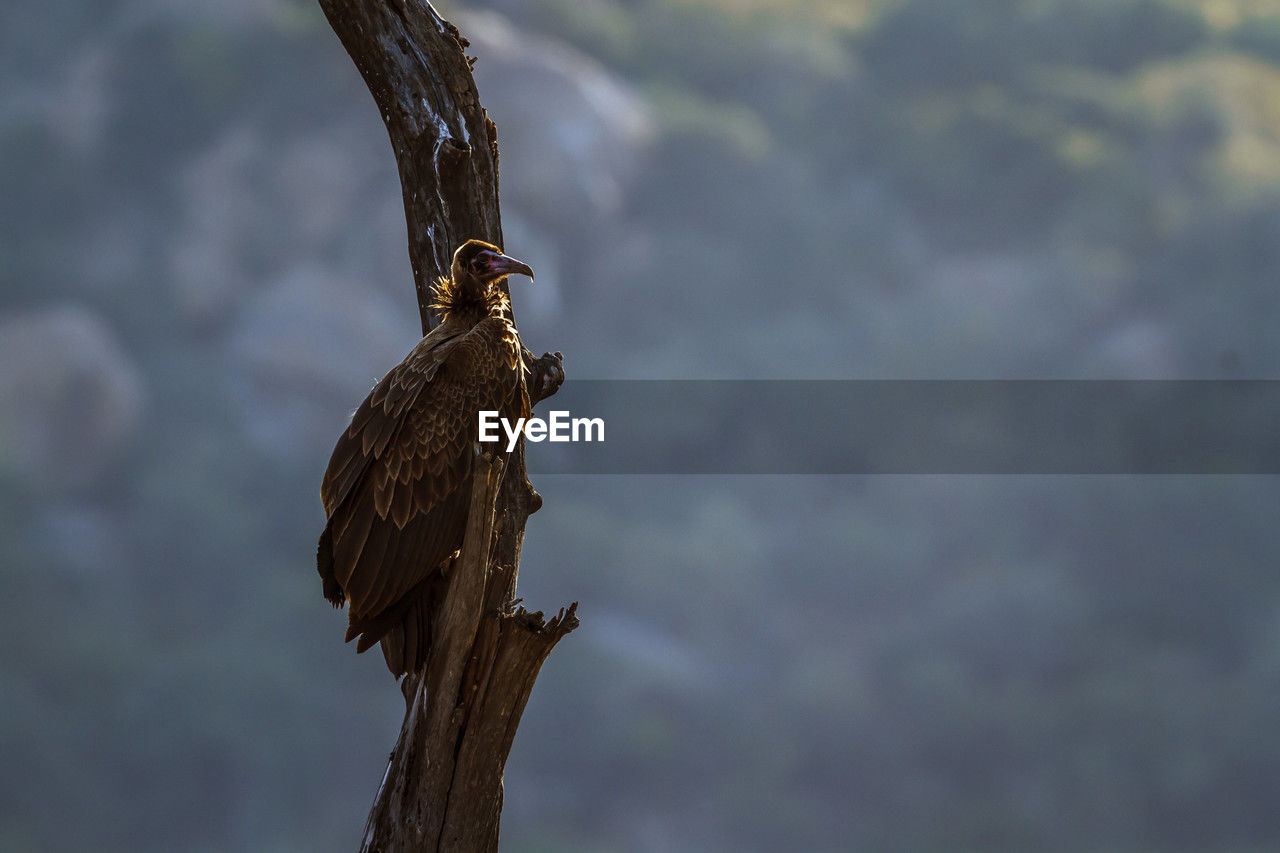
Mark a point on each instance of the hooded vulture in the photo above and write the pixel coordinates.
(397, 490)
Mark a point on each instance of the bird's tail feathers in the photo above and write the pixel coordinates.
(404, 630)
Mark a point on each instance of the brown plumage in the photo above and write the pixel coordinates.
(397, 489)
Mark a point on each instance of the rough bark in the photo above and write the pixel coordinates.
(443, 786)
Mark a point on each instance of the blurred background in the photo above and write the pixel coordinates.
(203, 270)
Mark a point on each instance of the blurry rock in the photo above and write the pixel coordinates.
(309, 347)
(70, 398)
(570, 132)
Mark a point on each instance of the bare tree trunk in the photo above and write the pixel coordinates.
(443, 786)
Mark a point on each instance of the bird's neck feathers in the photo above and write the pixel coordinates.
(467, 300)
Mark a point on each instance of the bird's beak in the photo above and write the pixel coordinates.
(500, 265)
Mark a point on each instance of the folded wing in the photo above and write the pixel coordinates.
(393, 491)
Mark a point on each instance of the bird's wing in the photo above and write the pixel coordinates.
(374, 422)
(391, 491)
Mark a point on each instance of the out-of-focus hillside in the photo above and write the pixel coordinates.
(202, 270)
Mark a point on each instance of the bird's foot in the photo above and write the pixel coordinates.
(548, 376)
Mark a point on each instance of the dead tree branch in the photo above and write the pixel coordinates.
(443, 786)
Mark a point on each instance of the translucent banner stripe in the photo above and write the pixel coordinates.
(915, 427)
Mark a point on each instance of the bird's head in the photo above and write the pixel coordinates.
(471, 284)
(484, 263)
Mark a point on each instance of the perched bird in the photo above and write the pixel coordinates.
(397, 490)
